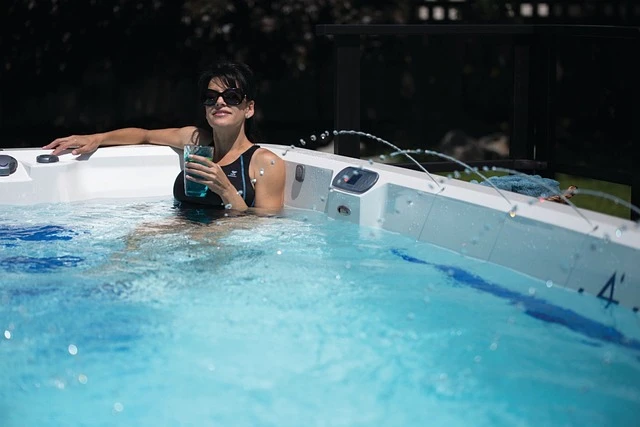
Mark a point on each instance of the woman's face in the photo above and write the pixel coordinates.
(221, 112)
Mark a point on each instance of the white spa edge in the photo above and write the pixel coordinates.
(587, 252)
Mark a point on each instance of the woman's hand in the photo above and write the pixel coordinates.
(81, 144)
(204, 171)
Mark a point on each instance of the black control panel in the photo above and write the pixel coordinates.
(355, 180)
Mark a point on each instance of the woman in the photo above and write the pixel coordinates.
(241, 175)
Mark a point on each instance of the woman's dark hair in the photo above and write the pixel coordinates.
(231, 74)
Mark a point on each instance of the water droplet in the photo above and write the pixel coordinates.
(618, 232)
(73, 350)
(273, 162)
(303, 142)
(493, 346)
(549, 283)
(7, 334)
(228, 206)
(370, 161)
(279, 252)
(253, 181)
(382, 157)
(82, 379)
(312, 137)
(512, 212)
(261, 172)
(335, 132)
(240, 192)
(337, 276)
(456, 174)
(485, 168)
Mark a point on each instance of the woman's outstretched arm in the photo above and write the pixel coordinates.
(84, 144)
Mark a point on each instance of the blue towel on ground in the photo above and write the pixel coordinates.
(530, 185)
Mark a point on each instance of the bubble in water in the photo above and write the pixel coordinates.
(7, 334)
(82, 379)
(493, 346)
(337, 276)
(618, 232)
(312, 137)
(549, 283)
(532, 291)
(228, 206)
(335, 132)
(261, 172)
(279, 252)
(73, 350)
(118, 407)
(382, 157)
(253, 181)
(370, 161)
(303, 142)
(240, 192)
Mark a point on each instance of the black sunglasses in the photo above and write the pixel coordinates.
(231, 96)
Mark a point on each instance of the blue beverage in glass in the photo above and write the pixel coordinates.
(194, 189)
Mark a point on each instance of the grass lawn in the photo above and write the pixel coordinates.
(593, 203)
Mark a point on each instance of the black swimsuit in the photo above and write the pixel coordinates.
(237, 172)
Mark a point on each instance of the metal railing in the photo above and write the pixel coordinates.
(532, 138)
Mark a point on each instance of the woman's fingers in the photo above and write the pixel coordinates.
(79, 144)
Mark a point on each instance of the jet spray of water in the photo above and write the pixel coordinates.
(375, 138)
(464, 165)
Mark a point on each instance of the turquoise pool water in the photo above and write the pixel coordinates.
(133, 314)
